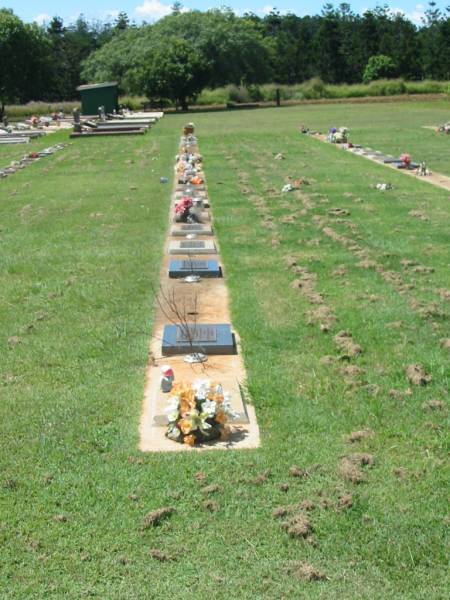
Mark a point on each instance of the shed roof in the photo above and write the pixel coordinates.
(92, 86)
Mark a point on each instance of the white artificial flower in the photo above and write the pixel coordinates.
(172, 416)
(201, 388)
(209, 408)
(227, 408)
(172, 409)
(204, 425)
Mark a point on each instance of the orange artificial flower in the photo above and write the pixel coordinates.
(185, 425)
(187, 397)
(221, 418)
(189, 440)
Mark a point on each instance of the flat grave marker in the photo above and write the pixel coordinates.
(204, 268)
(192, 247)
(184, 229)
(198, 337)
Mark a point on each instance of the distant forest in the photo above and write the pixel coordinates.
(186, 52)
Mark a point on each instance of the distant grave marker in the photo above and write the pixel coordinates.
(192, 247)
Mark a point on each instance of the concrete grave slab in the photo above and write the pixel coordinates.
(192, 247)
(211, 338)
(184, 229)
(203, 268)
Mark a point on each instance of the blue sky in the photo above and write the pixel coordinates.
(151, 10)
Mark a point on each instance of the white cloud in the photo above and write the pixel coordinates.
(42, 19)
(108, 14)
(240, 12)
(153, 10)
(266, 10)
(417, 14)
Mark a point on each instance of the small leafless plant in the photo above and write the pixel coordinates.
(180, 312)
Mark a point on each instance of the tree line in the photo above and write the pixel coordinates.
(186, 52)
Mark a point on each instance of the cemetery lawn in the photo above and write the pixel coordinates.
(81, 242)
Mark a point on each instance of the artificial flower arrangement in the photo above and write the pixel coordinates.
(444, 128)
(198, 412)
(182, 208)
(405, 158)
(338, 136)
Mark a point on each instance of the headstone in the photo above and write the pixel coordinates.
(76, 120)
(192, 247)
(204, 268)
(185, 228)
(198, 337)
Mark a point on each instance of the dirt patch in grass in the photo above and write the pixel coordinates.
(211, 489)
(160, 555)
(352, 371)
(323, 315)
(305, 572)
(418, 214)
(339, 212)
(211, 505)
(350, 467)
(261, 478)
(350, 472)
(445, 343)
(417, 375)
(344, 341)
(296, 471)
(298, 526)
(155, 517)
(437, 405)
(345, 501)
(340, 271)
(358, 436)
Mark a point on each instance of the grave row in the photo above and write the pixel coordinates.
(29, 159)
(192, 219)
(200, 389)
(340, 137)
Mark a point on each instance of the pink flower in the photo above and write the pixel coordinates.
(183, 205)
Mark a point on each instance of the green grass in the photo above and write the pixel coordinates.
(81, 243)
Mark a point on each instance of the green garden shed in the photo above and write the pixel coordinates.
(94, 95)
